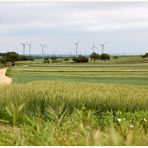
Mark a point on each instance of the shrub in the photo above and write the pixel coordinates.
(25, 58)
(80, 59)
(94, 56)
(53, 58)
(115, 57)
(145, 55)
(105, 56)
(3, 61)
(66, 59)
(46, 60)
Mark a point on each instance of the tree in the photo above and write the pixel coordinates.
(80, 59)
(145, 55)
(12, 57)
(3, 61)
(94, 56)
(105, 56)
(25, 58)
(2, 54)
(46, 60)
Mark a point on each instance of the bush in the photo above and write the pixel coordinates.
(66, 59)
(80, 59)
(3, 61)
(105, 56)
(145, 55)
(25, 58)
(115, 57)
(46, 60)
(53, 58)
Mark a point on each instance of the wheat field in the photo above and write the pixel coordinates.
(73, 113)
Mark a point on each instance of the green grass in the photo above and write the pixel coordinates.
(63, 103)
(72, 113)
(96, 73)
(117, 97)
(24, 77)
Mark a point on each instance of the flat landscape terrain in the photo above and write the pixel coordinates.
(64, 103)
(113, 71)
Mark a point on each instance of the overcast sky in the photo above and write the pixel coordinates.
(122, 26)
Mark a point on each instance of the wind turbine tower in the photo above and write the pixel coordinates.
(102, 45)
(24, 45)
(29, 44)
(76, 43)
(43, 47)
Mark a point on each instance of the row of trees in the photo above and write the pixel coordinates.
(13, 57)
(94, 56)
(80, 59)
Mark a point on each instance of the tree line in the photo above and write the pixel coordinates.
(13, 57)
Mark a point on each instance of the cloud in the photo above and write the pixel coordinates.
(62, 23)
(86, 17)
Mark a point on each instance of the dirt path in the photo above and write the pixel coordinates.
(3, 78)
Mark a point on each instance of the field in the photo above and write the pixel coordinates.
(63, 103)
(114, 71)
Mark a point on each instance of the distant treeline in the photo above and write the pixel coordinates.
(2, 54)
(13, 57)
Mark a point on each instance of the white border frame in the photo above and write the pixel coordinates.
(72, 1)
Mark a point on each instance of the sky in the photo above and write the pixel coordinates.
(123, 27)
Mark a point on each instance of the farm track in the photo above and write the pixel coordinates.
(3, 78)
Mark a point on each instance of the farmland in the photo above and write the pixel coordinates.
(101, 72)
(63, 103)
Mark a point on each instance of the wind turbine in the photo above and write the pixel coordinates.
(43, 47)
(102, 45)
(29, 44)
(23, 44)
(76, 43)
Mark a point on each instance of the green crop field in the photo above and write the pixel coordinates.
(63, 103)
(91, 72)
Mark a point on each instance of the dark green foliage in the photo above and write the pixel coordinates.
(66, 59)
(3, 61)
(105, 56)
(53, 58)
(115, 57)
(12, 57)
(145, 55)
(46, 60)
(80, 59)
(2, 54)
(94, 56)
(25, 58)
